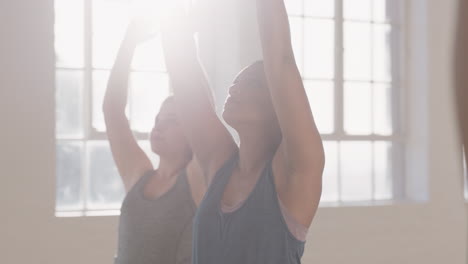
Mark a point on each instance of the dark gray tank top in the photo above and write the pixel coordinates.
(256, 233)
(156, 231)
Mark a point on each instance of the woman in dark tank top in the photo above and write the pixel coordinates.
(258, 191)
(157, 213)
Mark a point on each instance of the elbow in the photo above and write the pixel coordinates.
(320, 159)
(310, 163)
(107, 104)
(106, 107)
(321, 166)
(316, 162)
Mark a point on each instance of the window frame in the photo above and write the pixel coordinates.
(89, 133)
(397, 84)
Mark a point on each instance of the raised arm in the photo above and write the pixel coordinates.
(300, 156)
(130, 159)
(211, 142)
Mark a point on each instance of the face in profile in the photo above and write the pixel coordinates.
(167, 138)
(249, 101)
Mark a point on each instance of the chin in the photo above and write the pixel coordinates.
(229, 118)
(156, 148)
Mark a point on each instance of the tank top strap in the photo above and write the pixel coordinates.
(221, 177)
(183, 188)
(182, 178)
(140, 184)
(264, 190)
(269, 176)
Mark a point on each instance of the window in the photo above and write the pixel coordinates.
(348, 52)
(87, 36)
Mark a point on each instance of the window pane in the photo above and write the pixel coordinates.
(297, 39)
(319, 49)
(149, 56)
(357, 51)
(110, 20)
(69, 50)
(149, 90)
(68, 15)
(100, 79)
(382, 57)
(68, 170)
(386, 10)
(320, 8)
(383, 170)
(382, 109)
(330, 173)
(294, 7)
(357, 108)
(69, 100)
(321, 98)
(357, 9)
(356, 171)
(104, 184)
(69, 33)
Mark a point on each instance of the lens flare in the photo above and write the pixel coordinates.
(157, 10)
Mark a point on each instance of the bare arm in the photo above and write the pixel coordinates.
(300, 157)
(211, 142)
(130, 159)
(462, 73)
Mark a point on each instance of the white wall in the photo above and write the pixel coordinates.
(430, 233)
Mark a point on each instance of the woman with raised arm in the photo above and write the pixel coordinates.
(157, 213)
(264, 193)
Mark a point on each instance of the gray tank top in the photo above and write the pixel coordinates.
(156, 231)
(256, 233)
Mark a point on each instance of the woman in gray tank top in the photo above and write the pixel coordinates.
(157, 213)
(273, 178)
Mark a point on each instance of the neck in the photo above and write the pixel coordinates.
(171, 167)
(258, 145)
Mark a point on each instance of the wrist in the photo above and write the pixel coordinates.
(129, 42)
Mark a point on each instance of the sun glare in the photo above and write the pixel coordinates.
(156, 10)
